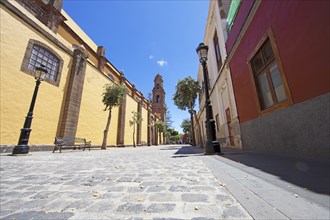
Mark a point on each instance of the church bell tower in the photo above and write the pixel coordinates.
(158, 98)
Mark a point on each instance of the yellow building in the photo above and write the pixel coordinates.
(69, 102)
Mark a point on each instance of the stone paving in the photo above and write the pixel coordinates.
(117, 183)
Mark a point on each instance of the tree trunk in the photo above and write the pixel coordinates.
(105, 134)
(199, 130)
(134, 135)
(192, 133)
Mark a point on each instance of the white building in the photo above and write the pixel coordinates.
(220, 83)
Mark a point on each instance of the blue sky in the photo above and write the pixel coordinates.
(144, 38)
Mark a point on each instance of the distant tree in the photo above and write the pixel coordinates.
(174, 135)
(186, 126)
(172, 132)
(113, 96)
(136, 119)
(184, 98)
(161, 127)
(175, 138)
(169, 121)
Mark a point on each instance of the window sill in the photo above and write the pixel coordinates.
(276, 107)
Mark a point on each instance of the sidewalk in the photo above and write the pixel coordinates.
(164, 182)
(276, 187)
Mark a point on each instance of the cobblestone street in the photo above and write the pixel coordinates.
(163, 182)
(118, 183)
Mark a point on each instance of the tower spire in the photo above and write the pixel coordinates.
(158, 97)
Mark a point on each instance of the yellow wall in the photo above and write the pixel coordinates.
(161, 138)
(92, 117)
(131, 105)
(17, 87)
(144, 126)
(108, 71)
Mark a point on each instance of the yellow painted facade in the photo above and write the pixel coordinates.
(131, 105)
(144, 126)
(18, 27)
(17, 87)
(93, 118)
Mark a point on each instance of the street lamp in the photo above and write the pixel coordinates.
(22, 147)
(212, 145)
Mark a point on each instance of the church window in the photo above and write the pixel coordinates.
(37, 54)
(158, 99)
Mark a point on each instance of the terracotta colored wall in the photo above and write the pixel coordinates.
(301, 30)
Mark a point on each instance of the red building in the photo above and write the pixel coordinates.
(278, 53)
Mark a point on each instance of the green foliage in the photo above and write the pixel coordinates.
(186, 126)
(113, 95)
(175, 138)
(136, 118)
(186, 93)
(160, 125)
(172, 132)
(169, 121)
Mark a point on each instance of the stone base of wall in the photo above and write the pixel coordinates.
(9, 148)
(300, 130)
(224, 139)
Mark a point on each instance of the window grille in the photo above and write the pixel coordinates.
(41, 56)
(38, 53)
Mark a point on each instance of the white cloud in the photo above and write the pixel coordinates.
(162, 62)
(151, 57)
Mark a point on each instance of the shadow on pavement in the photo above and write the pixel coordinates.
(307, 173)
(189, 150)
(171, 148)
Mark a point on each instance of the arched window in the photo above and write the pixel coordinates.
(37, 54)
(158, 99)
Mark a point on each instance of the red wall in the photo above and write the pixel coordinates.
(240, 18)
(302, 34)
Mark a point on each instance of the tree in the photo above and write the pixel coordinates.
(113, 96)
(184, 98)
(136, 119)
(169, 121)
(161, 127)
(173, 135)
(186, 126)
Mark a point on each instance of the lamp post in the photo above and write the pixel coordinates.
(22, 147)
(212, 145)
